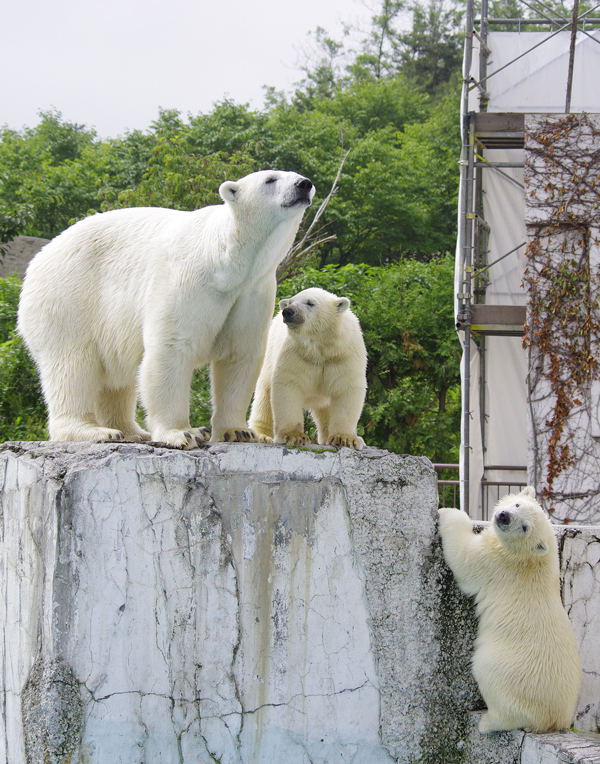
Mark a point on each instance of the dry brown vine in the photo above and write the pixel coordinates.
(562, 177)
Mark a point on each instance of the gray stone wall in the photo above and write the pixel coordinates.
(240, 603)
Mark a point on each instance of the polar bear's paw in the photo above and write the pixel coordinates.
(106, 434)
(264, 438)
(135, 434)
(347, 439)
(184, 439)
(200, 434)
(492, 722)
(293, 437)
(83, 430)
(234, 435)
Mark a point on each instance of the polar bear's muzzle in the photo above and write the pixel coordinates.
(503, 519)
(292, 315)
(301, 192)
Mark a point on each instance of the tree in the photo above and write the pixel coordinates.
(432, 50)
(429, 54)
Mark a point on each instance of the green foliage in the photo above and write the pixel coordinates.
(400, 181)
(178, 178)
(200, 406)
(406, 314)
(432, 50)
(22, 410)
(10, 288)
(13, 220)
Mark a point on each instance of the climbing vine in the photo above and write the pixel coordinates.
(562, 180)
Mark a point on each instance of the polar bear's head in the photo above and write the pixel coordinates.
(521, 525)
(270, 192)
(314, 310)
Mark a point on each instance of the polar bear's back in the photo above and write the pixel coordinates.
(124, 242)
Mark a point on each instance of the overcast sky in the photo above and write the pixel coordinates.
(111, 63)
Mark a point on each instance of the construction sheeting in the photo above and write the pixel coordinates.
(534, 83)
(537, 82)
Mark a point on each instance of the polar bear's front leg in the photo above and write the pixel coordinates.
(261, 414)
(232, 384)
(463, 550)
(344, 412)
(237, 360)
(165, 392)
(288, 415)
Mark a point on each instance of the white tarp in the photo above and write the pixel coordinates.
(534, 83)
(537, 82)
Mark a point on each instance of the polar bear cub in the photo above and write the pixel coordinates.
(143, 296)
(315, 360)
(526, 662)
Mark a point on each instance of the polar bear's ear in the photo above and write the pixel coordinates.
(283, 304)
(529, 491)
(342, 304)
(228, 191)
(541, 548)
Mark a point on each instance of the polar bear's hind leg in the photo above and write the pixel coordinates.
(72, 382)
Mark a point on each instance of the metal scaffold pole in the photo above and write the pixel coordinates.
(464, 243)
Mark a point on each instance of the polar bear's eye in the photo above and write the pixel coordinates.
(525, 528)
(516, 505)
(271, 180)
(310, 303)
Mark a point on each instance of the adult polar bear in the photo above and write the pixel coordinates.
(147, 295)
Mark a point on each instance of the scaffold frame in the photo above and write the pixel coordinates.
(482, 130)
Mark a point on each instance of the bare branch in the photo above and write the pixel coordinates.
(299, 250)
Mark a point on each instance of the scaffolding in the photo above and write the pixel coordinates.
(493, 145)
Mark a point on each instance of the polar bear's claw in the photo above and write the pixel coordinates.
(348, 440)
(182, 439)
(236, 436)
(293, 438)
(102, 434)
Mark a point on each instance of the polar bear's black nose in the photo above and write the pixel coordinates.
(304, 184)
(503, 518)
(288, 313)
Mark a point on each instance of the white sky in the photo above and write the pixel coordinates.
(111, 63)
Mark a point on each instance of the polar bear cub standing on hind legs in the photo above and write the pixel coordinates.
(315, 360)
(526, 662)
(143, 296)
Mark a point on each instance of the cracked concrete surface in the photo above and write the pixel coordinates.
(241, 603)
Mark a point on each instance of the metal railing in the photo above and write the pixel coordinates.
(491, 490)
(446, 487)
(499, 487)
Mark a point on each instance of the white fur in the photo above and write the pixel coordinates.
(147, 295)
(316, 362)
(526, 662)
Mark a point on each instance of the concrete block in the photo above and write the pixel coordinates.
(245, 604)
